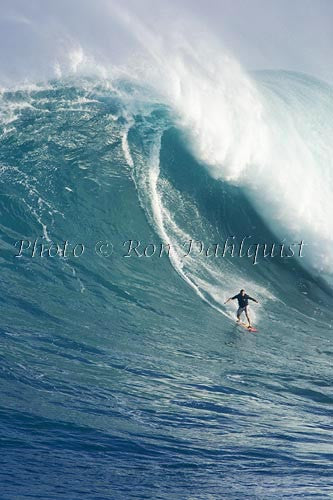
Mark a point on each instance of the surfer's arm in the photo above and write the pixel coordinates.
(254, 300)
(231, 298)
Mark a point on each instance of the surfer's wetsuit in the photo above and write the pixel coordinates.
(243, 300)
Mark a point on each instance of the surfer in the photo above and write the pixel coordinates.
(243, 302)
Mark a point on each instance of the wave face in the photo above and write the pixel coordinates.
(125, 377)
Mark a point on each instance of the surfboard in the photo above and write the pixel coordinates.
(251, 329)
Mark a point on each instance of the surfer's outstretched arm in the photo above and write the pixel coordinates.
(231, 298)
(254, 300)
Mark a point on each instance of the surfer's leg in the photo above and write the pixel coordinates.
(239, 312)
(247, 316)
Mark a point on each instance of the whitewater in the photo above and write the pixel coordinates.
(125, 376)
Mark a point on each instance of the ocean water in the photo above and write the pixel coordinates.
(123, 374)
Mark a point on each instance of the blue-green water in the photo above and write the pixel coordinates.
(126, 377)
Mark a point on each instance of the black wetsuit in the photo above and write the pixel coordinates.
(243, 300)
